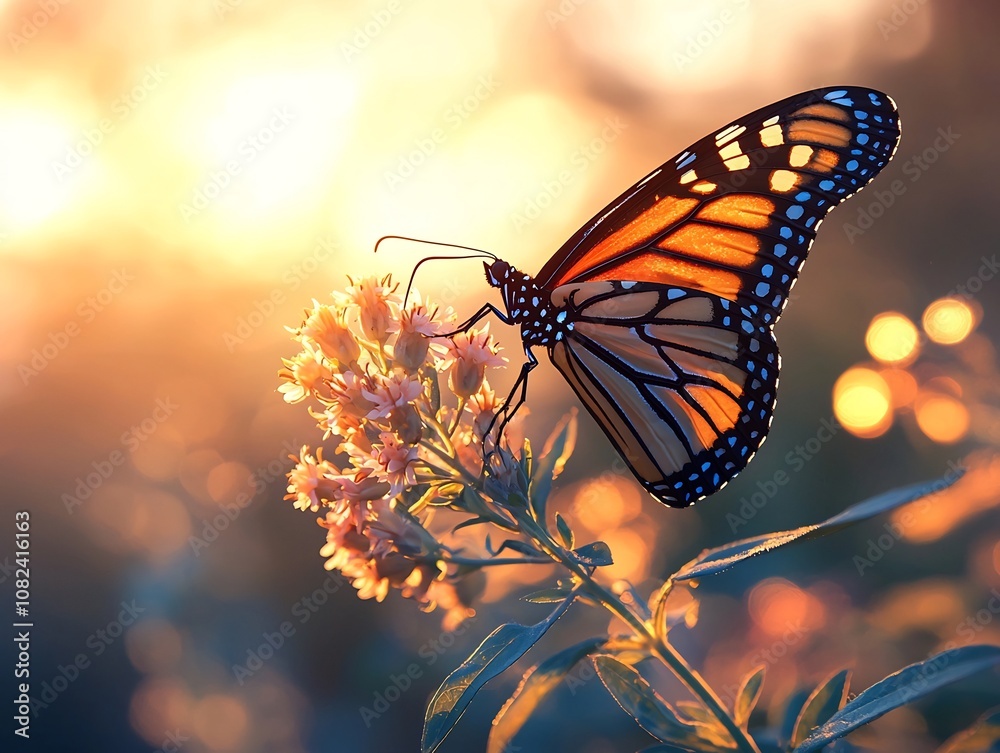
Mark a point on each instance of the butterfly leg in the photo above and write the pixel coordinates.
(486, 309)
(520, 386)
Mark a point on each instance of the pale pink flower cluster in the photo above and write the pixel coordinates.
(372, 373)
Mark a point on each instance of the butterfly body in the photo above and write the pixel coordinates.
(659, 311)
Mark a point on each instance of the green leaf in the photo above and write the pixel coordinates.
(982, 737)
(793, 707)
(500, 650)
(565, 532)
(823, 703)
(597, 554)
(747, 696)
(521, 547)
(558, 447)
(905, 686)
(713, 561)
(641, 702)
(537, 683)
(547, 595)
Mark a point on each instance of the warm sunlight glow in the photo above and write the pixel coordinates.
(892, 338)
(862, 402)
(942, 418)
(43, 159)
(949, 320)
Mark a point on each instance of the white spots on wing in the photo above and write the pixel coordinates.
(730, 150)
(733, 132)
(799, 155)
(689, 176)
(737, 163)
(772, 136)
(649, 177)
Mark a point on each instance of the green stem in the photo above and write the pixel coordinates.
(659, 647)
(476, 562)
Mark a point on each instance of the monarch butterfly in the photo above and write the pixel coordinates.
(659, 311)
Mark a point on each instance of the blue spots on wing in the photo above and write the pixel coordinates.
(674, 293)
(685, 159)
(785, 232)
(837, 94)
(863, 139)
(861, 115)
(762, 289)
(802, 196)
(794, 212)
(767, 270)
(780, 249)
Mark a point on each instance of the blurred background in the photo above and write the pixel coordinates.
(179, 180)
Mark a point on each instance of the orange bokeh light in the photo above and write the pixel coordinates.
(943, 418)
(778, 606)
(949, 321)
(862, 402)
(892, 338)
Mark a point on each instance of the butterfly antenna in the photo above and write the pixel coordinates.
(438, 258)
(434, 243)
(480, 253)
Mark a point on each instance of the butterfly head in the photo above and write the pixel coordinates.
(497, 273)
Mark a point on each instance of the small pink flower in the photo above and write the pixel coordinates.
(469, 354)
(350, 390)
(417, 327)
(313, 482)
(304, 375)
(396, 460)
(326, 327)
(483, 406)
(393, 391)
(377, 305)
(363, 486)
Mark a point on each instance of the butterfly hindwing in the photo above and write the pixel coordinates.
(682, 381)
(736, 213)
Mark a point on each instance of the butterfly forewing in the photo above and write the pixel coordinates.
(735, 214)
(682, 381)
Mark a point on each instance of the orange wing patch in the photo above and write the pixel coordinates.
(822, 110)
(741, 209)
(819, 132)
(735, 248)
(654, 267)
(643, 228)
